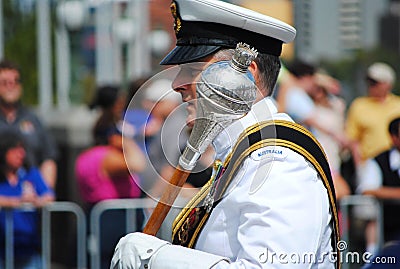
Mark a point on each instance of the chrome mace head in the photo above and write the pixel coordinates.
(225, 92)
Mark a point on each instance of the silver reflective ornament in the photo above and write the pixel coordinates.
(225, 92)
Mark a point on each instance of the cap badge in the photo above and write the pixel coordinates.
(177, 22)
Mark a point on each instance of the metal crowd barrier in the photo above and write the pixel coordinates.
(130, 205)
(358, 200)
(68, 207)
(81, 231)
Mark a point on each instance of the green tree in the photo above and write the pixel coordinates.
(20, 46)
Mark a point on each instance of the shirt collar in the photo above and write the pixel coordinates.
(260, 111)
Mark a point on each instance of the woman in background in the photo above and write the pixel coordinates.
(330, 113)
(21, 184)
(108, 169)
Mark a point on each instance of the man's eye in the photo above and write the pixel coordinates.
(191, 72)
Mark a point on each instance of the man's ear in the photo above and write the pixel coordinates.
(253, 68)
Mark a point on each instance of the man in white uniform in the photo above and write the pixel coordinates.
(276, 207)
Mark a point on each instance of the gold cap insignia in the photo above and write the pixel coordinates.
(177, 20)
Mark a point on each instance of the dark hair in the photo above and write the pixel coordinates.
(6, 64)
(9, 139)
(394, 127)
(269, 67)
(133, 88)
(105, 96)
(300, 68)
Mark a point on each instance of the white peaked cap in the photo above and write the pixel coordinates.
(204, 26)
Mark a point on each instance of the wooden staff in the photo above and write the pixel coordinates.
(167, 199)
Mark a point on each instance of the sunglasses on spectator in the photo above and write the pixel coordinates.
(11, 83)
(371, 82)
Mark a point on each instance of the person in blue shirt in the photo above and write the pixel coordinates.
(21, 184)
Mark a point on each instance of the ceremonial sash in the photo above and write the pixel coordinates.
(189, 223)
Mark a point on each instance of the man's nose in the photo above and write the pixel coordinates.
(183, 80)
(180, 84)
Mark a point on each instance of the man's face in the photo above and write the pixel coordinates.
(10, 86)
(185, 84)
(378, 89)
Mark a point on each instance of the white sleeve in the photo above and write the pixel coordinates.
(369, 176)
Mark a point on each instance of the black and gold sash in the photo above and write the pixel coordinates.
(189, 223)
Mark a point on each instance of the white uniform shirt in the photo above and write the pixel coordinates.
(276, 211)
(370, 174)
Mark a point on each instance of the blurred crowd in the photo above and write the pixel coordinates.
(141, 132)
(363, 135)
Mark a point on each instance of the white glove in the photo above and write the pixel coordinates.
(134, 250)
(139, 250)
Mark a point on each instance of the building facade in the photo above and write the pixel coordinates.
(335, 29)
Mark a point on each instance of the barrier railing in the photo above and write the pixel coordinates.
(9, 234)
(9, 239)
(130, 205)
(69, 207)
(358, 200)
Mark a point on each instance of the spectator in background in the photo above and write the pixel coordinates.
(299, 84)
(156, 116)
(284, 82)
(21, 183)
(109, 169)
(298, 103)
(166, 131)
(368, 116)
(366, 124)
(329, 112)
(41, 149)
(135, 112)
(111, 101)
(381, 179)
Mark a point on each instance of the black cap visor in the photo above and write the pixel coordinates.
(187, 54)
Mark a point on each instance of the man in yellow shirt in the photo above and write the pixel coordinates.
(368, 116)
(366, 127)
